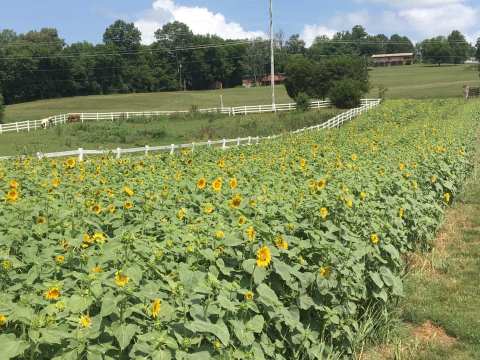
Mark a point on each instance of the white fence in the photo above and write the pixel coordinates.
(84, 117)
(337, 121)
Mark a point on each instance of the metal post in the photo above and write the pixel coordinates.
(272, 55)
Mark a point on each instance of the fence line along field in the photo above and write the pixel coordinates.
(285, 250)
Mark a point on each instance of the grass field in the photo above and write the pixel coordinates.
(425, 81)
(417, 81)
(156, 131)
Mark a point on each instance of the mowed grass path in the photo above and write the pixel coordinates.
(416, 81)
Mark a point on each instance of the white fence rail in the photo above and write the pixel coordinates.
(84, 117)
(337, 121)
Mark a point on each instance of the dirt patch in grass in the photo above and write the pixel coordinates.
(428, 333)
(429, 264)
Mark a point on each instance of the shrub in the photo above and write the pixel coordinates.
(346, 93)
(303, 102)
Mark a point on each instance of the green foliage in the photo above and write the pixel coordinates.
(303, 102)
(159, 256)
(436, 51)
(346, 93)
(318, 79)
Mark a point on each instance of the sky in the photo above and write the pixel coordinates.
(78, 20)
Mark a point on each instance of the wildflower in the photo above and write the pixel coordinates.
(303, 163)
(14, 184)
(97, 209)
(217, 185)
(7, 265)
(41, 220)
(401, 166)
(374, 239)
(99, 237)
(325, 271)
(87, 240)
(248, 296)
(363, 195)
(233, 183)
(354, 157)
(96, 270)
(3, 320)
(56, 182)
(156, 306)
(349, 203)
(208, 208)
(70, 163)
(236, 201)
(263, 257)
(242, 220)
(85, 321)
(52, 293)
(446, 197)
(324, 213)
(251, 233)
(281, 243)
(128, 191)
(181, 214)
(219, 234)
(111, 208)
(201, 183)
(321, 184)
(12, 196)
(217, 344)
(59, 259)
(128, 205)
(120, 279)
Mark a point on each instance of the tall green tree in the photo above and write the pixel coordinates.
(124, 36)
(436, 50)
(459, 47)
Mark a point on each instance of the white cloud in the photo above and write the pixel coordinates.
(200, 20)
(311, 32)
(418, 19)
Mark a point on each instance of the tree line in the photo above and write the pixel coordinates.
(40, 65)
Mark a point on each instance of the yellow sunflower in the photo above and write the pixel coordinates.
(219, 234)
(251, 233)
(156, 307)
(3, 320)
(13, 195)
(233, 183)
(52, 293)
(281, 243)
(374, 239)
(217, 185)
(264, 257)
(201, 183)
(121, 280)
(235, 201)
(85, 321)
(324, 213)
(128, 191)
(248, 296)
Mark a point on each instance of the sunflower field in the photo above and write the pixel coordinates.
(260, 252)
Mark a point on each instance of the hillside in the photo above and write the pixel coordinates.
(417, 81)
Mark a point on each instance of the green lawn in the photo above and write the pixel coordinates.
(181, 100)
(424, 81)
(156, 131)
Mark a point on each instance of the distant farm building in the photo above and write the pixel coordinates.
(279, 79)
(264, 81)
(393, 59)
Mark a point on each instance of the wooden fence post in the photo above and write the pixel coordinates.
(224, 144)
(119, 153)
(147, 148)
(172, 149)
(80, 154)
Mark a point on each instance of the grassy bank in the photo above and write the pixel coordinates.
(156, 131)
(439, 317)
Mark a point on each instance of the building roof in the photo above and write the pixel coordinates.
(391, 55)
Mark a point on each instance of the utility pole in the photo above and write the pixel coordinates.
(272, 56)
